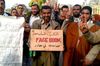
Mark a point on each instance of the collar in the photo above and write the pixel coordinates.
(44, 22)
(90, 22)
(76, 19)
(51, 23)
(5, 14)
(34, 15)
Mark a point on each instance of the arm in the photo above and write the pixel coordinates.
(91, 56)
(93, 37)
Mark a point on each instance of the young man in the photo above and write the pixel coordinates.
(20, 10)
(76, 44)
(45, 58)
(33, 15)
(75, 14)
(94, 38)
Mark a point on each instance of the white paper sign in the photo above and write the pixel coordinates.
(11, 41)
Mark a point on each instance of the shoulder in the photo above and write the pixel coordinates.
(94, 28)
(36, 24)
(72, 24)
(8, 14)
(97, 23)
(72, 28)
(28, 14)
(55, 24)
(38, 21)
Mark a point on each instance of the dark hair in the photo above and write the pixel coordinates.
(77, 5)
(46, 7)
(13, 9)
(88, 8)
(20, 5)
(3, 0)
(36, 5)
(64, 6)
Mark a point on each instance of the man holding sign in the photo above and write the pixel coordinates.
(45, 58)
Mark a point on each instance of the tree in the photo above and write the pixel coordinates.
(39, 2)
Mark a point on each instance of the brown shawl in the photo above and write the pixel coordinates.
(77, 46)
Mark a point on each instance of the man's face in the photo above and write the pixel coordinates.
(85, 15)
(20, 9)
(64, 11)
(2, 6)
(46, 14)
(34, 10)
(76, 11)
(14, 13)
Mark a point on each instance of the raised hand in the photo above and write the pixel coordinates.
(83, 27)
(56, 7)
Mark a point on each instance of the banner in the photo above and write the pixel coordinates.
(46, 40)
(11, 41)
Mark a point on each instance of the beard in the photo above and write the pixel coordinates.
(46, 19)
(1, 10)
(35, 13)
(76, 15)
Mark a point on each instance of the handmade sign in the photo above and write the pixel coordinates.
(46, 40)
(11, 41)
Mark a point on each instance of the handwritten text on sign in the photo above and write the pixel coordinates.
(46, 40)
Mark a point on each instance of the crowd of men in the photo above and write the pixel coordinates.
(81, 31)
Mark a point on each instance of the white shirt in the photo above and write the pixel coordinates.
(32, 19)
(76, 19)
(5, 14)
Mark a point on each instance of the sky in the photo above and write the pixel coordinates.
(72, 2)
(10, 3)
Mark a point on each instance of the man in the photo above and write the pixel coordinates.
(20, 10)
(2, 8)
(76, 44)
(61, 16)
(30, 17)
(33, 15)
(45, 58)
(93, 37)
(76, 13)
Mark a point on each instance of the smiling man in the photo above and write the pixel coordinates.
(45, 58)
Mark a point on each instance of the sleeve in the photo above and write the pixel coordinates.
(93, 37)
(93, 52)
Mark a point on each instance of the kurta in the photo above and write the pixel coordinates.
(45, 58)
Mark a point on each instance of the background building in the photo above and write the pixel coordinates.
(95, 4)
